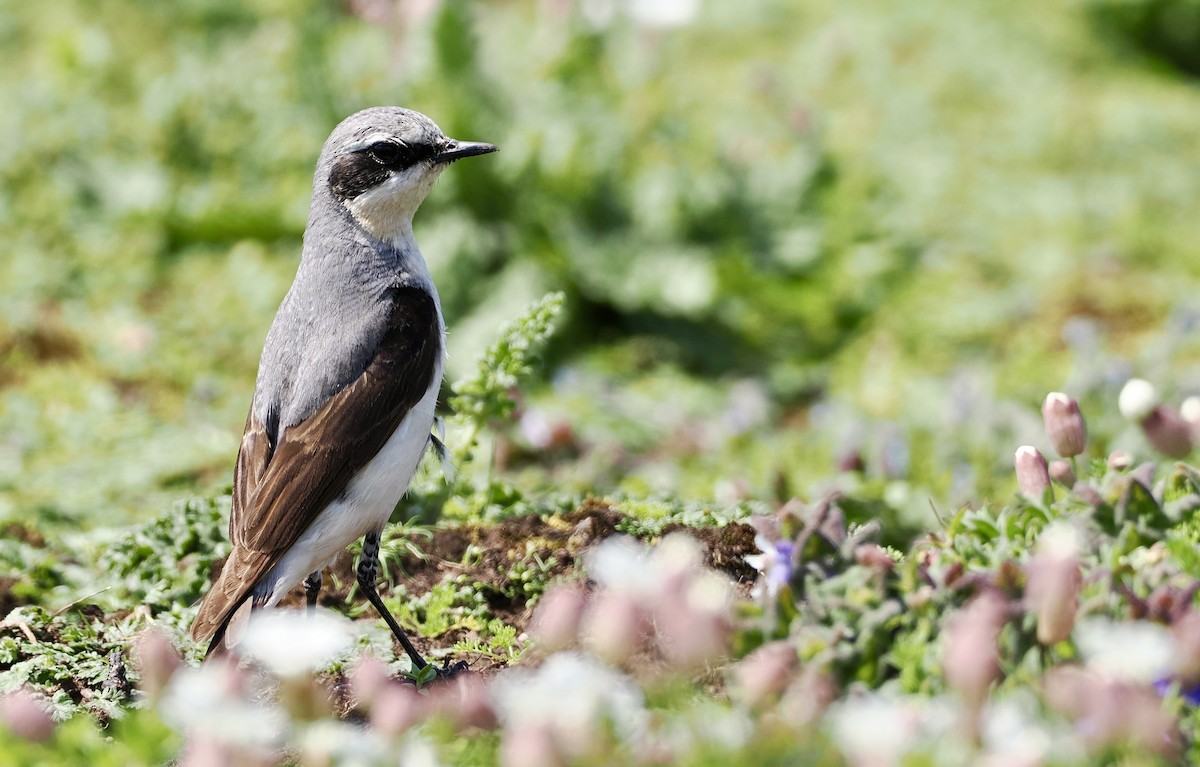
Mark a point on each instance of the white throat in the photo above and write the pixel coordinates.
(386, 211)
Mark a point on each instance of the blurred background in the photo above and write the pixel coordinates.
(803, 244)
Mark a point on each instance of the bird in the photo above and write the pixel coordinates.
(348, 380)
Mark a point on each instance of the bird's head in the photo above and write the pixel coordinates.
(381, 162)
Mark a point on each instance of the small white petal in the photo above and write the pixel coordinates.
(622, 564)
(1129, 651)
(291, 643)
(203, 701)
(709, 593)
(1190, 410)
(1059, 540)
(663, 14)
(572, 693)
(874, 728)
(416, 751)
(678, 552)
(1137, 399)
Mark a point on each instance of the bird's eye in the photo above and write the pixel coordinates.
(389, 153)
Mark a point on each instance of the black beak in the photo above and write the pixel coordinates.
(454, 150)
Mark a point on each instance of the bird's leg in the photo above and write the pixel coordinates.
(312, 588)
(367, 562)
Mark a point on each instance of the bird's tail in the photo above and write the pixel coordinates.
(226, 607)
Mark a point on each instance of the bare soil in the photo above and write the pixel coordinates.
(563, 538)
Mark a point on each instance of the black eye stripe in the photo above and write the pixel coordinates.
(363, 169)
(392, 154)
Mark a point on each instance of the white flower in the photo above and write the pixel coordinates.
(293, 644)
(622, 564)
(208, 701)
(1190, 409)
(574, 695)
(330, 741)
(416, 751)
(1014, 729)
(1137, 400)
(709, 594)
(875, 729)
(1133, 651)
(1059, 540)
(677, 553)
(663, 14)
(705, 725)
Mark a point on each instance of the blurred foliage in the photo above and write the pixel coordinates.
(139, 738)
(867, 206)
(1166, 29)
(168, 561)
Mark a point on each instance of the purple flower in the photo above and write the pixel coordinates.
(1189, 693)
(774, 564)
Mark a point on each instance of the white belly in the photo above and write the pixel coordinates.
(366, 504)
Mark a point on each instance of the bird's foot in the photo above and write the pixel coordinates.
(431, 674)
(449, 669)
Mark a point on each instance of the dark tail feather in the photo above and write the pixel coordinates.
(226, 607)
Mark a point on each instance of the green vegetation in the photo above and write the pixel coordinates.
(789, 278)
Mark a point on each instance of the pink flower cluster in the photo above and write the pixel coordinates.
(649, 603)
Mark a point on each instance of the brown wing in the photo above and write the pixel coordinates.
(278, 492)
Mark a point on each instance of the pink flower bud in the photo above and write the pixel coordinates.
(369, 677)
(873, 556)
(614, 627)
(530, 745)
(1033, 474)
(1144, 473)
(1111, 712)
(556, 619)
(1149, 726)
(397, 708)
(807, 697)
(1186, 632)
(971, 661)
(1062, 473)
(1190, 410)
(463, 700)
(1064, 424)
(851, 460)
(1167, 432)
(1067, 689)
(765, 673)
(156, 659)
(203, 751)
(1052, 588)
(1120, 460)
(25, 716)
(1088, 494)
(690, 639)
(693, 628)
